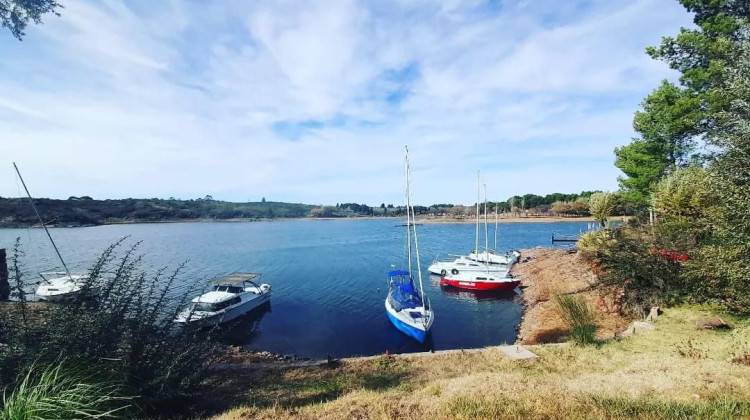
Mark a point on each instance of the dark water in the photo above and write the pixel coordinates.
(328, 277)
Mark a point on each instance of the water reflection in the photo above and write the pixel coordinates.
(243, 330)
(479, 295)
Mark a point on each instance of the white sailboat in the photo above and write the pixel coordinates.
(407, 308)
(491, 256)
(58, 286)
(485, 262)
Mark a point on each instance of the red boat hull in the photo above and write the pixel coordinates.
(480, 285)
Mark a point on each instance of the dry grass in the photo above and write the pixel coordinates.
(644, 376)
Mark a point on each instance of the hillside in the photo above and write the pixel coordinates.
(16, 212)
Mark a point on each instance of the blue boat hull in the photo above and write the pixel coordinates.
(412, 332)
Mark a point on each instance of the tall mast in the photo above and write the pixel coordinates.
(476, 236)
(496, 205)
(408, 227)
(414, 225)
(33, 206)
(486, 231)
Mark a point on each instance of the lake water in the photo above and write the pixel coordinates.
(328, 277)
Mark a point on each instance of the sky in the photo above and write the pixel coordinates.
(314, 101)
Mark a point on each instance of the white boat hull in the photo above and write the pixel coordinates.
(462, 265)
(227, 315)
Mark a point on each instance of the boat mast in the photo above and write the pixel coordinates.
(496, 205)
(408, 227)
(414, 225)
(33, 206)
(476, 236)
(486, 229)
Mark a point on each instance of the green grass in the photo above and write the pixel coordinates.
(579, 317)
(652, 408)
(63, 391)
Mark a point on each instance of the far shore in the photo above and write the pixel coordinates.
(426, 220)
(490, 219)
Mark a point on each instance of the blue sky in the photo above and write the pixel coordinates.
(313, 101)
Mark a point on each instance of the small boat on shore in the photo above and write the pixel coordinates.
(230, 297)
(59, 286)
(479, 281)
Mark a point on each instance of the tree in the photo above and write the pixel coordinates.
(263, 200)
(673, 117)
(601, 206)
(16, 14)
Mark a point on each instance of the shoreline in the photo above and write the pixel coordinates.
(549, 272)
(535, 219)
(425, 221)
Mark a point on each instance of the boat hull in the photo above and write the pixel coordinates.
(230, 315)
(412, 331)
(480, 285)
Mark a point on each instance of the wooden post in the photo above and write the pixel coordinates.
(4, 285)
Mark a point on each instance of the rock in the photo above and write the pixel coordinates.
(655, 312)
(643, 325)
(637, 325)
(713, 323)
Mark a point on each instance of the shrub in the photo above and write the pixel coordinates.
(579, 317)
(592, 246)
(124, 330)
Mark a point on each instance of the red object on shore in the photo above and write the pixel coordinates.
(478, 284)
(670, 254)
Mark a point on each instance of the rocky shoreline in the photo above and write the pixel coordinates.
(546, 272)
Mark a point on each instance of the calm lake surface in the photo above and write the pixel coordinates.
(328, 277)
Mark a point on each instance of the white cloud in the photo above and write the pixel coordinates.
(118, 99)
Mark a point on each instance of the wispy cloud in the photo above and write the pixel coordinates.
(313, 101)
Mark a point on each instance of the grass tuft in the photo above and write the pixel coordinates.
(63, 390)
(579, 317)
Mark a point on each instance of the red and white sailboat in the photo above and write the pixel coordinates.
(480, 281)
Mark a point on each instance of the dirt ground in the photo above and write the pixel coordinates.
(546, 272)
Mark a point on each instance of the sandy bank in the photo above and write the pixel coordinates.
(557, 271)
(438, 220)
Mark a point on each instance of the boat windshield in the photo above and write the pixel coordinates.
(229, 289)
(202, 307)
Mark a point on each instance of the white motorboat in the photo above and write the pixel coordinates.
(61, 286)
(229, 298)
(461, 264)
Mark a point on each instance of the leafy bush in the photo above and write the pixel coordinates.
(593, 245)
(124, 330)
(579, 317)
(63, 390)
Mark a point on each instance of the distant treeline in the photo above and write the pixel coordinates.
(83, 211)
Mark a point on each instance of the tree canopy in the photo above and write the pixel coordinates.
(16, 14)
(674, 117)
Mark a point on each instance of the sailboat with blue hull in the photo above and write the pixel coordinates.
(407, 307)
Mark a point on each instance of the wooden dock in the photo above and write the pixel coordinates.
(560, 237)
